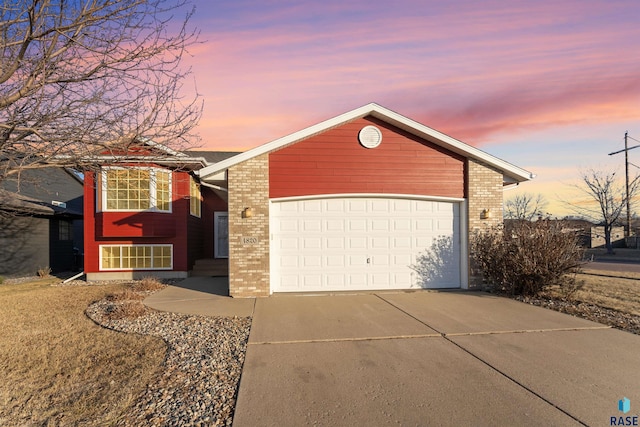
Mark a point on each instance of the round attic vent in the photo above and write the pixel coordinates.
(370, 136)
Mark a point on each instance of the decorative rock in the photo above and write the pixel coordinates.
(201, 370)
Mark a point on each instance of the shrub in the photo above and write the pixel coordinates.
(125, 295)
(125, 310)
(148, 284)
(44, 272)
(527, 258)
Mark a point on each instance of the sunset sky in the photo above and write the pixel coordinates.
(550, 86)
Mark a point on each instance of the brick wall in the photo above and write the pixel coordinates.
(485, 192)
(249, 237)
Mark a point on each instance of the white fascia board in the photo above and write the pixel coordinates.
(286, 140)
(451, 144)
(388, 116)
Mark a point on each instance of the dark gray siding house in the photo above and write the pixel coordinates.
(41, 222)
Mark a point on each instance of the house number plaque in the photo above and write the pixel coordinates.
(250, 240)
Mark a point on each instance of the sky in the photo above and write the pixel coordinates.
(550, 86)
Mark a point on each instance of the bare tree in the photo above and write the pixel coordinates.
(525, 206)
(88, 76)
(607, 199)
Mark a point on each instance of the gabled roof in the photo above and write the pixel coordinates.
(212, 156)
(512, 173)
(24, 205)
(147, 151)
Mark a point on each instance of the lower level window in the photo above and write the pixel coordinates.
(136, 257)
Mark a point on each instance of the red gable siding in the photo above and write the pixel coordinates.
(335, 162)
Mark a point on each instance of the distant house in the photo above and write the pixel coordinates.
(617, 237)
(346, 204)
(41, 221)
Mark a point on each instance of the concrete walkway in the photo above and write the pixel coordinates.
(427, 358)
(206, 296)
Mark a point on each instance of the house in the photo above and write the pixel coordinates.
(598, 238)
(147, 214)
(41, 221)
(347, 204)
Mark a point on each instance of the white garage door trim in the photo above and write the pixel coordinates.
(366, 255)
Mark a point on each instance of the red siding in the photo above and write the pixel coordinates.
(335, 162)
(102, 228)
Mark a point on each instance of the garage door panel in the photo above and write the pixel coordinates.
(360, 243)
(289, 262)
(401, 224)
(357, 242)
(311, 243)
(401, 205)
(401, 243)
(380, 280)
(335, 243)
(309, 261)
(380, 243)
(380, 225)
(287, 226)
(335, 281)
(289, 243)
(356, 260)
(311, 226)
(357, 281)
(312, 281)
(356, 205)
(334, 225)
(354, 225)
(334, 261)
(423, 224)
(381, 260)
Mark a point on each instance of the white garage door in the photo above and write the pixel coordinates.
(338, 244)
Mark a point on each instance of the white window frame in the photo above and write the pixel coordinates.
(132, 246)
(217, 250)
(192, 181)
(152, 189)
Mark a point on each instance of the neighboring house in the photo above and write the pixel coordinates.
(347, 204)
(41, 221)
(598, 240)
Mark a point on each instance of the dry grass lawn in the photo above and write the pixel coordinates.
(622, 294)
(60, 368)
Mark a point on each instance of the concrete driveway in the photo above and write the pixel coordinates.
(431, 358)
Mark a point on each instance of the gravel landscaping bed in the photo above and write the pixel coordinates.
(199, 382)
(624, 321)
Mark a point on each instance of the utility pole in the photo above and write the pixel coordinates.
(627, 230)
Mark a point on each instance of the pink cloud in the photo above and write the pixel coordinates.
(474, 70)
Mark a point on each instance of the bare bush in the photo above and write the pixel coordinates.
(125, 310)
(148, 284)
(125, 295)
(44, 271)
(528, 257)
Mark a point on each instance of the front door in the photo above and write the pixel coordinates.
(221, 234)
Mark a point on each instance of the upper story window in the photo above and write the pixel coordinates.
(136, 189)
(195, 198)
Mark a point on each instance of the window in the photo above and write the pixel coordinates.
(136, 257)
(136, 189)
(65, 231)
(195, 199)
